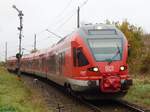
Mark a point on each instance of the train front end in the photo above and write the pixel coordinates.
(110, 55)
(105, 68)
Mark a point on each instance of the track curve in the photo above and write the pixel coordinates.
(95, 106)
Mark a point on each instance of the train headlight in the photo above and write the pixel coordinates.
(99, 28)
(93, 69)
(122, 68)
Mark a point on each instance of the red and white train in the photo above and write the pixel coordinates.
(91, 61)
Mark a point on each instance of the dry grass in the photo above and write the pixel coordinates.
(15, 97)
(139, 93)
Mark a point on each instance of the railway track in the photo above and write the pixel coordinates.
(131, 106)
(96, 106)
(126, 106)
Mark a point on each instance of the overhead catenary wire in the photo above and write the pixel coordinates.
(73, 12)
(59, 17)
(61, 14)
(84, 3)
(53, 33)
(64, 21)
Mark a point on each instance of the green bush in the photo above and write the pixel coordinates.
(7, 108)
(2, 63)
(145, 66)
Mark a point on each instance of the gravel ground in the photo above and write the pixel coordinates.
(54, 98)
(58, 101)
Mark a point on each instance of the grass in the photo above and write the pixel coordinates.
(139, 93)
(15, 97)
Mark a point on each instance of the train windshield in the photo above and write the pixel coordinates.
(106, 49)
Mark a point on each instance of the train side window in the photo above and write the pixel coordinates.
(82, 60)
(79, 58)
(52, 63)
(63, 58)
(74, 57)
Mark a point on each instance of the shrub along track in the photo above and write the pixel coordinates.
(58, 100)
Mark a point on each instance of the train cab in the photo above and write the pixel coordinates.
(99, 55)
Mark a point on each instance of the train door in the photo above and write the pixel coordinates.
(52, 64)
(57, 64)
(79, 61)
(79, 58)
(43, 64)
(60, 62)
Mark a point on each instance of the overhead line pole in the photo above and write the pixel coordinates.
(78, 13)
(35, 42)
(78, 17)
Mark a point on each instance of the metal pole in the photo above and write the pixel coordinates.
(20, 15)
(20, 29)
(78, 17)
(35, 42)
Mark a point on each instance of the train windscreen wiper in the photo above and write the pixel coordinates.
(116, 54)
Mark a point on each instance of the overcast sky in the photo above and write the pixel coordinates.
(59, 16)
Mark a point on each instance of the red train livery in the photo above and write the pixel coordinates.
(91, 61)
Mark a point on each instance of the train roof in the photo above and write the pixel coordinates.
(36, 54)
(97, 26)
(100, 29)
(12, 58)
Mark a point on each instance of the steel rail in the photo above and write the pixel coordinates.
(93, 107)
(131, 106)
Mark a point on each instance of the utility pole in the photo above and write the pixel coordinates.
(35, 42)
(18, 55)
(78, 13)
(78, 17)
(6, 52)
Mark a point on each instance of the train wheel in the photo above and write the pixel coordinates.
(68, 88)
